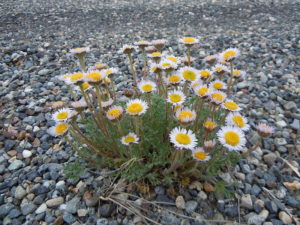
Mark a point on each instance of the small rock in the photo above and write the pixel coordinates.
(294, 186)
(106, 210)
(27, 208)
(55, 202)
(281, 123)
(270, 159)
(82, 212)
(68, 218)
(296, 124)
(290, 105)
(20, 192)
(26, 154)
(271, 206)
(196, 185)
(285, 218)
(5, 209)
(190, 206)
(208, 187)
(16, 164)
(42, 208)
(43, 72)
(180, 203)
(246, 201)
(73, 205)
(202, 195)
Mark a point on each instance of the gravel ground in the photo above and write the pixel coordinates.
(35, 37)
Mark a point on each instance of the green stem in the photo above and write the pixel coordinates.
(82, 63)
(230, 83)
(132, 69)
(189, 55)
(72, 93)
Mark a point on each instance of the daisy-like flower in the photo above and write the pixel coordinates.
(232, 138)
(217, 97)
(173, 59)
(264, 130)
(230, 54)
(110, 71)
(159, 43)
(176, 97)
(156, 56)
(195, 84)
(167, 65)
(130, 138)
(177, 107)
(84, 85)
(154, 68)
(211, 59)
(173, 79)
(150, 49)
(136, 107)
(62, 114)
(185, 60)
(209, 125)
(75, 78)
(127, 49)
(236, 119)
(217, 85)
(59, 129)
(147, 86)
(64, 77)
(188, 41)
(231, 106)
(220, 69)
(94, 76)
(185, 115)
(79, 105)
(80, 51)
(239, 73)
(114, 113)
(107, 103)
(202, 91)
(100, 66)
(205, 74)
(200, 155)
(142, 43)
(209, 145)
(189, 73)
(183, 139)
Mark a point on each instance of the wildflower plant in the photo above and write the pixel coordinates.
(179, 121)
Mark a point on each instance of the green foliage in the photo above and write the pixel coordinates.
(74, 170)
(222, 190)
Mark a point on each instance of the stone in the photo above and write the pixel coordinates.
(82, 212)
(296, 124)
(208, 187)
(246, 201)
(281, 123)
(231, 211)
(202, 195)
(68, 218)
(255, 190)
(20, 192)
(270, 159)
(5, 209)
(26, 154)
(14, 213)
(102, 221)
(271, 206)
(43, 72)
(255, 220)
(55, 202)
(190, 206)
(290, 105)
(285, 218)
(106, 210)
(180, 203)
(42, 208)
(16, 164)
(280, 141)
(28, 208)
(73, 205)
(292, 202)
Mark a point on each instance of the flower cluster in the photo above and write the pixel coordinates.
(200, 118)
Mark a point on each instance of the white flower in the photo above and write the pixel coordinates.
(59, 129)
(217, 85)
(183, 139)
(147, 86)
(75, 78)
(209, 145)
(63, 114)
(110, 71)
(114, 112)
(200, 155)
(185, 115)
(196, 83)
(95, 76)
(142, 43)
(211, 59)
(136, 107)
(167, 65)
(219, 69)
(83, 50)
(81, 104)
(239, 73)
(231, 106)
(172, 79)
(64, 77)
(202, 90)
(173, 59)
(155, 55)
(232, 138)
(176, 97)
(264, 129)
(126, 49)
(130, 138)
(205, 74)
(159, 42)
(217, 97)
(189, 73)
(230, 54)
(105, 104)
(236, 119)
(188, 40)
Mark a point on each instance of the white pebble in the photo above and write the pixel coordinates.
(26, 154)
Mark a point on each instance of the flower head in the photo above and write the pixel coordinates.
(187, 61)
(62, 114)
(110, 71)
(220, 69)
(173, 79)
(183, 139)
(232, 138)
(205, 74)
(80, 51)
(64, 77)
(147, 86)
(79, 105)
(239, 73)
(211, 59)
(200, 155)
(195, 84)
(159, 43)
(100, 66)
(154, 68)
(230, 54)
(209, 145)
(230, 106)
(155, 55)
(94, 76)
(127, 49)
(217, 97)
(136, 107)
(173, 59)
(188, 73)
(167, 65)
(75, 78)
(176, 97)
(209, 125)
(236, 119)
(142, 43)
(188, 41)
(185, 115)
(264, 130)
(130, 138)
(202, 91)
(59, 129)
(217, 85)
(114, 113)
(107, 103)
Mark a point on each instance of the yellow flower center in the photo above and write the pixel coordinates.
(76, 76)
(177, 107)
(231, 105)
(62, 115)
(147, 87)
(175, 98)
(232, 138)
(66, 76)
(61, 128)
(265, 126)
(185, 114)
(183, 139)
(238, 120)
(218, 85)
(217, 96)
(189, 39)
(202, 91)
(173, 59)
(205, 73)
(200, 155)
(229, 54)
(174, 79)
(236, 73)
(108, 71)
(189, 75)
(78, 49)
(142, 42)
(95, 76)
(156, 54)
(107, 80)
(85, 85)
(166, 64)
(135, 108)
(129, 139)
(116, 113)
(209, 125)
(153, 68)
(218, 69)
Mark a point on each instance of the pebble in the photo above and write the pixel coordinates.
(26, 154)
(20, 192)
(28, 208)
(73, 205)
(16, 164)
(42, 208)
(190, 206)
(55, 202)
(246, 201)
(180, 203)
(285, 218)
